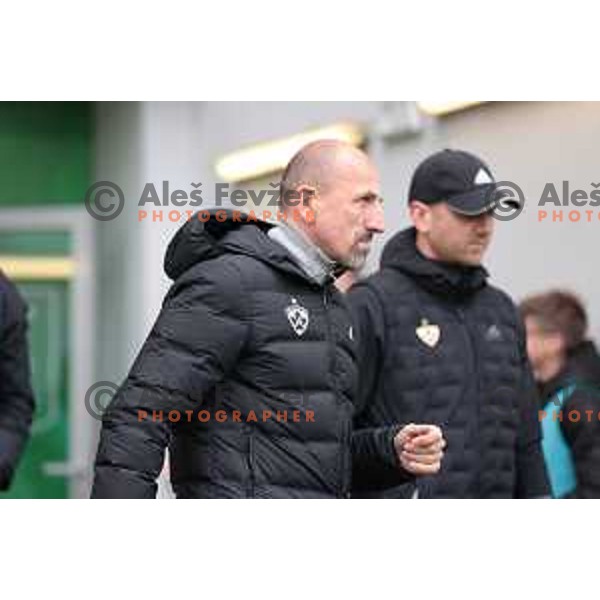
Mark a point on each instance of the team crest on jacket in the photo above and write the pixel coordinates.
(298, 317)
(428, 334)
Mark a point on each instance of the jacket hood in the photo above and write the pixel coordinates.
(200, 240)
(440, 278)
(583, 366)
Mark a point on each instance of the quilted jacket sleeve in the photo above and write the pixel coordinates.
(373, 452)
(194, 343)
(583, 436)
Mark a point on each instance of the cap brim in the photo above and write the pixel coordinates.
(482, 199)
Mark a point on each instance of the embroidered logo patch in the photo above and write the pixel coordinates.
(493, 334)
(429, 334)
(298, 317)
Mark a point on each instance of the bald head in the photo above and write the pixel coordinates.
(339, 204)
(322, 164)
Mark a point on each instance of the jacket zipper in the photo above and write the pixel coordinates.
(343, 492)
(477, 391)
(251, 486)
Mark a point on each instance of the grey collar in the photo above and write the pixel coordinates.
(309, 257)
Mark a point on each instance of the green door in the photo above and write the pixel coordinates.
(46, 162)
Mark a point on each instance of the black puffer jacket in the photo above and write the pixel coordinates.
(441, 346)
(224, 341)
(16, 396)
(582, 431)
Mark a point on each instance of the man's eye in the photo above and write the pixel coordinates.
(366, 199)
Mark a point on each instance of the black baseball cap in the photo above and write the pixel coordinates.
(458, 178)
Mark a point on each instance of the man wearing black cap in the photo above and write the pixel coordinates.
(440, 345)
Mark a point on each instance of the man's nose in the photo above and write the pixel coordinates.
(375, 220)
(484, 223)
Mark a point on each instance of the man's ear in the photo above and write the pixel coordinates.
(420, 214)
(307, 202)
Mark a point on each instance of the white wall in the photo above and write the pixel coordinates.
(120, 305)
(529, 143)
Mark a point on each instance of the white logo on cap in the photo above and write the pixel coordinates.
(482, 177)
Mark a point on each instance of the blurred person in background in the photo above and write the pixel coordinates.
(16, 396)
(566, 366)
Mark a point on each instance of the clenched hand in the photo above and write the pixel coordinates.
(420, 448)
